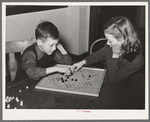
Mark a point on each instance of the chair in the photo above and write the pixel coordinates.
(102, 42)
(14, 50)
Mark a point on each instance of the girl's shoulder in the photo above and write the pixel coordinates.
(131, 56)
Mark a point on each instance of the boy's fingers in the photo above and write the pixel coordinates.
(58, 45)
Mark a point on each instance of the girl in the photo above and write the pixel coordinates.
(122, 54)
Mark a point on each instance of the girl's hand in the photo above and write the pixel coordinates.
(77, 66)
(61, 49)
(116, 48)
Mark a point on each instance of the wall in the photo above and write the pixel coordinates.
(141, 17)
(78, 29)
(72, 22)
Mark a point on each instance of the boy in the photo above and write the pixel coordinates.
(38, 59)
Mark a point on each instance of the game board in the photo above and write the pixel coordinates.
(87, 81)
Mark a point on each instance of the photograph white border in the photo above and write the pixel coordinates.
(67, 114)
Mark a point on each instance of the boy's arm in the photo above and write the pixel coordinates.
(61, 56)
(28, 63)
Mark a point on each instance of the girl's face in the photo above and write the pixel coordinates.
(111, 40)
(49, 46)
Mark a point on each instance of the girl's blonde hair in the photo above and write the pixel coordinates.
(120, 27)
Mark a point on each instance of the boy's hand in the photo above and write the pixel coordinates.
(65, 70)
(61, 49)
(61, 69)
(77, 66)
(116, 48)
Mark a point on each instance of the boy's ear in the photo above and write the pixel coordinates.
(39, 42)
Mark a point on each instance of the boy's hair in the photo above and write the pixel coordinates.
(121, 27)
(46, 30)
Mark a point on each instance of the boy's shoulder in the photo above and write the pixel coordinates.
(30, 50)
(31, 47)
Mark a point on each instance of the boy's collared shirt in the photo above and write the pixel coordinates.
(40, 53)
(29, 62)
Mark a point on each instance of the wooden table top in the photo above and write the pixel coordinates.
(126, 95)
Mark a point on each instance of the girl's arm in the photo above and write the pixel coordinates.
(96, 56)
(118, 73)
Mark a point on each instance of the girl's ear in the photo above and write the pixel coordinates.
(39, 42)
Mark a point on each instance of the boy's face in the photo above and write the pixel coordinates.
(49, 46)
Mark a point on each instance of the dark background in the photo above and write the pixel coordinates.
(20, 9)
(101, 14)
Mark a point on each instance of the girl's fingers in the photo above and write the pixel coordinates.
(73, 68)
(116, 48)
(76, 67)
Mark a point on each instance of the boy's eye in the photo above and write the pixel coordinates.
(52, 45)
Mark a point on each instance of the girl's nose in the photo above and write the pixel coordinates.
(108, 43)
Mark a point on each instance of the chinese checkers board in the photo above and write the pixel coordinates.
(87, 81)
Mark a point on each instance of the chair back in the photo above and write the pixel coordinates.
(14, 49)
(101, 41)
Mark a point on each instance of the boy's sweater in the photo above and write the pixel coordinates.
(34, 62)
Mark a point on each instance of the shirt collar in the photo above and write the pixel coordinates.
(40, 53)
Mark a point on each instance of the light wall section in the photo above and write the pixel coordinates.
(72, 22)
(84, 29)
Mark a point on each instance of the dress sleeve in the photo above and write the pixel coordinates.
(28, 63)
(117, 73)
(62, 59)
(95, 57)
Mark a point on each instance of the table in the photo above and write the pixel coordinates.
(126, 95)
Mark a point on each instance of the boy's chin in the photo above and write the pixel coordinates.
(49, 53)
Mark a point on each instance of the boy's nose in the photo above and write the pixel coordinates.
(54, 47)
